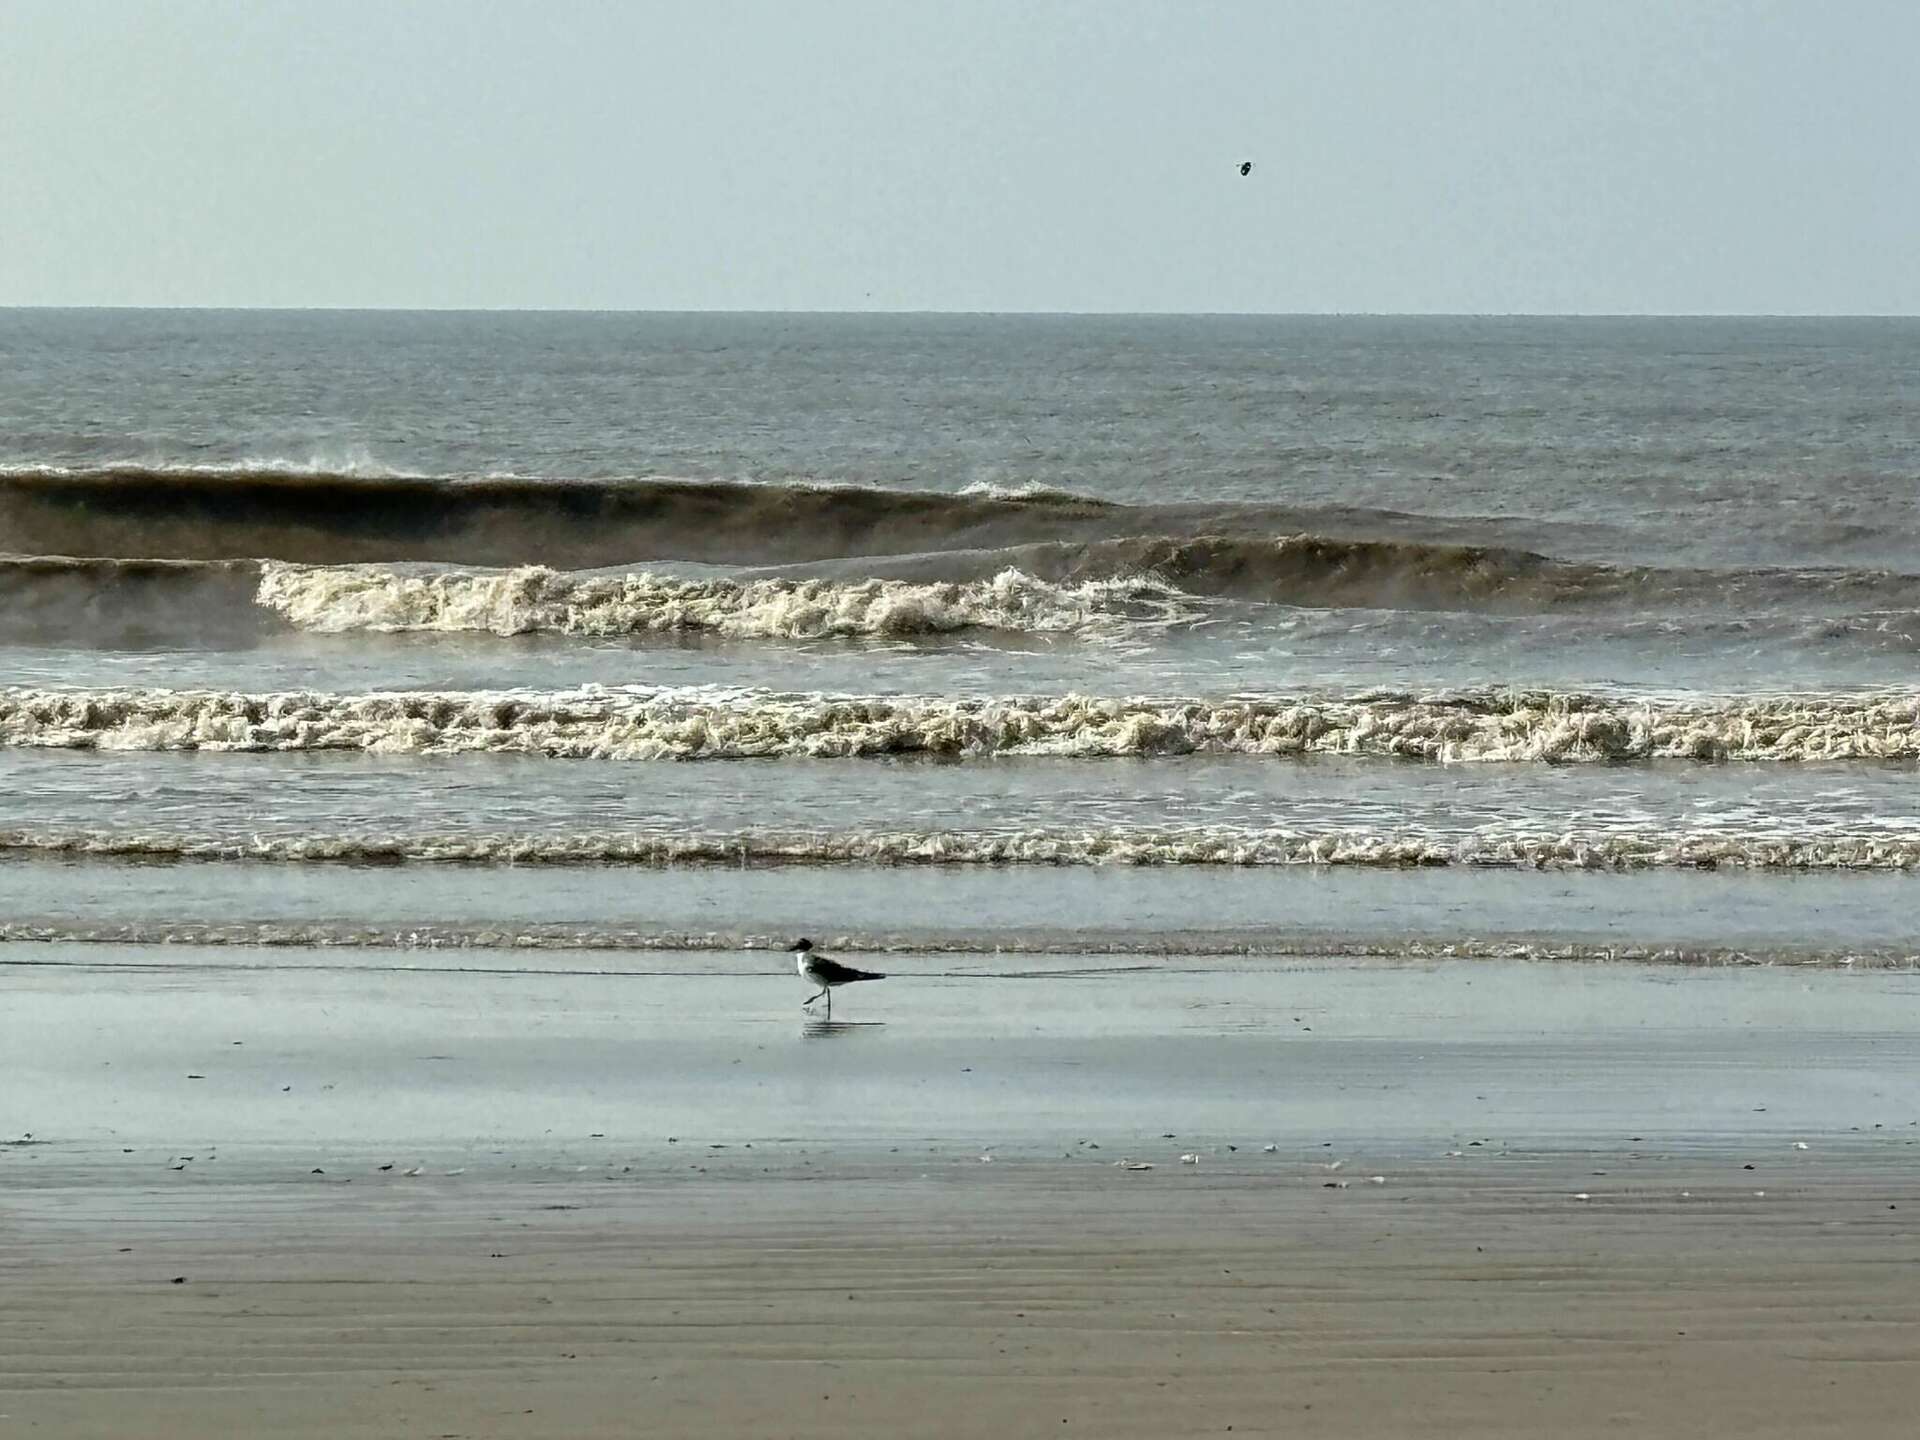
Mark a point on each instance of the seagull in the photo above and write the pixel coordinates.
(819, 970)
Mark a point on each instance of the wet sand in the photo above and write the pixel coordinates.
(675, 1209)
(1190, 909)
(1458, 1298)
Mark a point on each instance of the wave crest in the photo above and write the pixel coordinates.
(1289, 554)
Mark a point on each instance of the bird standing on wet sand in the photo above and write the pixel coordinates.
(819, 970)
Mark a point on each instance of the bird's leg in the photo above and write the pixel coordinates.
(829, 995)
(811, 998)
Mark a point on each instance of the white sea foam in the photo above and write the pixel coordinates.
(356, 461)
(1121, 846)
(535, 600)
(1024, 490)
(708, 724)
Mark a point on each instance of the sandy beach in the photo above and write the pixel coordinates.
(1331, 593)
(1457, 1298)
(539, 1203)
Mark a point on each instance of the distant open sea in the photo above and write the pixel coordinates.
(1567, 638)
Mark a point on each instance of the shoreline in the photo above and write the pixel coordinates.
(1196, 909)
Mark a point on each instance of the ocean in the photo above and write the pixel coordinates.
(1562, 639)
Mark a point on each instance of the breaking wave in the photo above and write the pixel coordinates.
(534, 600)
(346, 516)
(122, 602)
(1288, 553)
(1108, 592)
(1140, 846)
(595, 723)
(1275, 553)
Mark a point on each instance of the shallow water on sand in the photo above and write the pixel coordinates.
(239, 1068)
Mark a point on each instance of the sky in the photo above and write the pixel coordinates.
(1453, 156)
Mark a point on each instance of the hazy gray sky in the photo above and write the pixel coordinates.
(1410, 155)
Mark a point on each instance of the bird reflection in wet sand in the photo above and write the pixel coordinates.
(818, 969)
(816, 1028)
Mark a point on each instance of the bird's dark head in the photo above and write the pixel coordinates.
(801, 947)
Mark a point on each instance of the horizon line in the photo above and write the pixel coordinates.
(1009, 314)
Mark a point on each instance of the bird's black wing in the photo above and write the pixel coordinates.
(832, 972)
